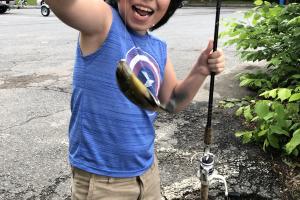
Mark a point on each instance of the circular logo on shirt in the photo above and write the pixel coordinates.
(145, 67)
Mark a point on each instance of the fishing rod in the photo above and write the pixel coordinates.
(207, 173)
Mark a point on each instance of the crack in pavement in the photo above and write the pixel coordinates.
(24, 80)
(54, 89)
(32, 118)
(50, 190)
(46, 193)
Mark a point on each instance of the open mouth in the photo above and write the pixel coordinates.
(142, 11)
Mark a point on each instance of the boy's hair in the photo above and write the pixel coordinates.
(174, 4)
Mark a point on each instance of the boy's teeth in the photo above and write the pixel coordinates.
(144, 9)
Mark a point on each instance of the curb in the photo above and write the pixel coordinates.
(239, 5)
(24, 7)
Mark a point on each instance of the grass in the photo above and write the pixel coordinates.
(29, 2)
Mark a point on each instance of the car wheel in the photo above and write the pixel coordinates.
(45, 11)
(3, 9)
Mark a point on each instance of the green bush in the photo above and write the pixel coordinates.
(270, 32)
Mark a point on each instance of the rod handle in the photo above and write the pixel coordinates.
(204, 192)
(208, 135)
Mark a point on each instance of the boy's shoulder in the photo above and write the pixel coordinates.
(157, 39)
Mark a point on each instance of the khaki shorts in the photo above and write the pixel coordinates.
(87, 186)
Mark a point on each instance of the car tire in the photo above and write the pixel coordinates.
(3, 8)
(45, 11)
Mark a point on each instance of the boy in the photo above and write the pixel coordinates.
(111, 139)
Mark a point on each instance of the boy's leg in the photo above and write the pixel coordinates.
(80, 184)
(150, 183)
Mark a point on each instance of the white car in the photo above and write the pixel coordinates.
(39, 2)
(45, 10)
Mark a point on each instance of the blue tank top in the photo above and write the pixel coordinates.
(108, 134)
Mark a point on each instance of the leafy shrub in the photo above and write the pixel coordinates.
(270, 32)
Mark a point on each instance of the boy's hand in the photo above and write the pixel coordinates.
(210, 61)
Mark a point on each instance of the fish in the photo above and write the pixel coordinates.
(135, 90)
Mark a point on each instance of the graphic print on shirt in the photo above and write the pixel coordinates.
(145, 67)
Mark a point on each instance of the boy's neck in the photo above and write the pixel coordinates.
(140, 33)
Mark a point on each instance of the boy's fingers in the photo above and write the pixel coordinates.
(217, 68)
(209, 47)
(216, 60)
(217, 54)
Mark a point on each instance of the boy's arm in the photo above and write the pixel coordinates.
(175, 94)
(88, 16)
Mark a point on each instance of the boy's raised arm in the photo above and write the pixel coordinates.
(88, 16)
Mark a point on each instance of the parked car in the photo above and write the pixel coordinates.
(5, 5)
(45, 9)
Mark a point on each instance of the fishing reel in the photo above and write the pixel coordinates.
(207, 173)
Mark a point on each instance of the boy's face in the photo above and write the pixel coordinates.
(140, 15)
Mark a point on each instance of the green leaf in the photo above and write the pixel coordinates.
(266, 144)
(294, 97)
(294, 22)
(248, 14)
(278, 130)
(273, 140)
(296, 76)
(267, 3)
(284, 94)
(246, 135)
(288, 123)
(245, 82)
(239, 111)
(256, 17)
(295, 152)
(275, 61)
(262, 132)
(295, 126)
(273, 93)
(294, 142)
(258, 2)
(281, 115)
(261, 109)
(257, 82)
(229, 105)
(293, 108)
(270, 115)
(247, 113)
(254, 119)
(240, 133)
